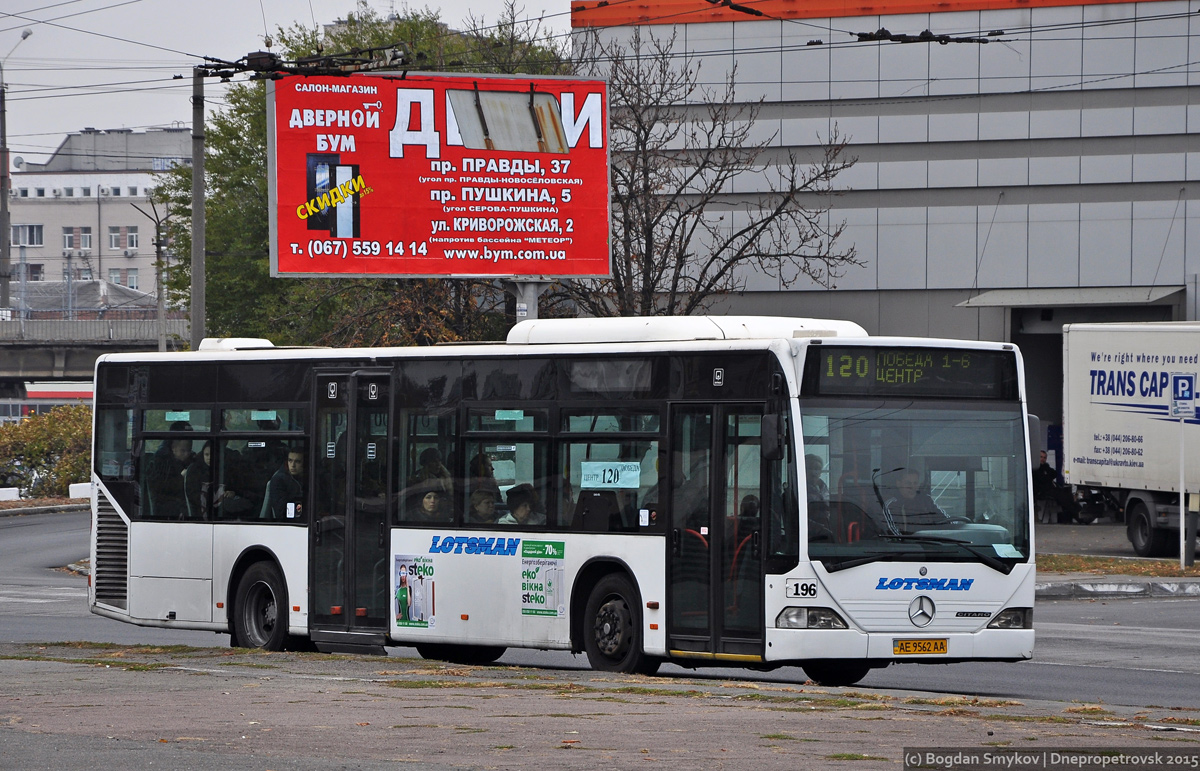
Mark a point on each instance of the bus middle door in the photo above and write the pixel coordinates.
(348, 533)
(715, 564)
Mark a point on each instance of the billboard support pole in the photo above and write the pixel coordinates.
(527, 294)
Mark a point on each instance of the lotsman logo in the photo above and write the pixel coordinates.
(926, 584)
(473, 545)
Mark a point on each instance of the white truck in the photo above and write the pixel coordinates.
(1120, 439)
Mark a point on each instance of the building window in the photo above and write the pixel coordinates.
(39, 192)
(37, 273)
(85, 274)
(86, 192)
(131, 278)
(116, 191)
(131, 235)
(69, 192)
(23, 192)
(114, 275)
(26, 235)
(85, 238)
(133, 191)
(68, 238)
(114, 237)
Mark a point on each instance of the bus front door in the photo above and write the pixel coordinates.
(348, 531)
(715, 545)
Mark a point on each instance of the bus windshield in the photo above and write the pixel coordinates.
(916, 480)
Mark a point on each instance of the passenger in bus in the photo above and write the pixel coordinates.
(912, 509)
(163, 479)
(284, 497)
(197, 482)
(524, 507)
(483, 475)
(482, 510)
(432, 470)
(818, 490)
(426, 504)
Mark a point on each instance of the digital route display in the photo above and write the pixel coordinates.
(836, 370)
(438, 175)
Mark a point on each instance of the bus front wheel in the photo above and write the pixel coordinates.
(260, 613)
(612, 635)
(834, 673)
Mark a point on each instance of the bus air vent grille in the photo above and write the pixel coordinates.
(111, 574)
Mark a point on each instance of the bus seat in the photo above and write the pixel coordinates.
(598, 510)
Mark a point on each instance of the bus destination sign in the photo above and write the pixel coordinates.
(910, 371)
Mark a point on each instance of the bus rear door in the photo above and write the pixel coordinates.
(348, 535)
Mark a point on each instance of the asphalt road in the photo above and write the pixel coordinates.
(1121, 652)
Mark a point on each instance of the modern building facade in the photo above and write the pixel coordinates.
(1032, 167)
(77, 215)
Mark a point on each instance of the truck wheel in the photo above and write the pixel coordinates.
(835, 673)
(260, 610)
(1147, 540)
(612, 632)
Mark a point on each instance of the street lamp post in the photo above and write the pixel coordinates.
(5, 228)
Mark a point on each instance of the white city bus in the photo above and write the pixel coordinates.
(707, 491)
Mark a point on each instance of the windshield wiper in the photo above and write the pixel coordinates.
(986, 555)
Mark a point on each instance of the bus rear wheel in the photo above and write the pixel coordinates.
(260, 609)
(834, 673)
(461, 654)
(612, 634)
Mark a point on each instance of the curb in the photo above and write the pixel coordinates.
(44, 509)
(1080, 590)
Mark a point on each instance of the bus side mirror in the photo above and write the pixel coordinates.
(772, 437)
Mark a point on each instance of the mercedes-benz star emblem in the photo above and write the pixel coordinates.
(921, 610)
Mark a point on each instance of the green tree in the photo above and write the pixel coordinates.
(242, 299)
(45, 454)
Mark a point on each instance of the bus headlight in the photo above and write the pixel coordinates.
(809, 618)
(1013, 618)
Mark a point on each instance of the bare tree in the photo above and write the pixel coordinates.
(679, 237)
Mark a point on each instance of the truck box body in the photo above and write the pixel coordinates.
(1118, 434)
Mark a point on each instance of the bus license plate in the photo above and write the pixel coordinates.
(918, 647)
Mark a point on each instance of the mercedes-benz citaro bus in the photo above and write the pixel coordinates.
(703, 490)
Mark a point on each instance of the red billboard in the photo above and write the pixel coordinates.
(438, 175)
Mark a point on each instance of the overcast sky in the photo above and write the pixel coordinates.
(109, 63)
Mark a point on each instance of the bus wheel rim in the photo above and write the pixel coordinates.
(613, 625)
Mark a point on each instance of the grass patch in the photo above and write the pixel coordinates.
(1181, 720)
(779, 737)
(1030, 719)
(1087, 709)
(853, 756)
(961, 701)
(1071, 563)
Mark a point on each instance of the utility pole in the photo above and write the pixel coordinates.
(197, 207)
(159, 265)
(5, 229)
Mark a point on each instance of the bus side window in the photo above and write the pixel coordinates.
(608, 484)
(114, 455)
(427, 463)
(162, 481)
